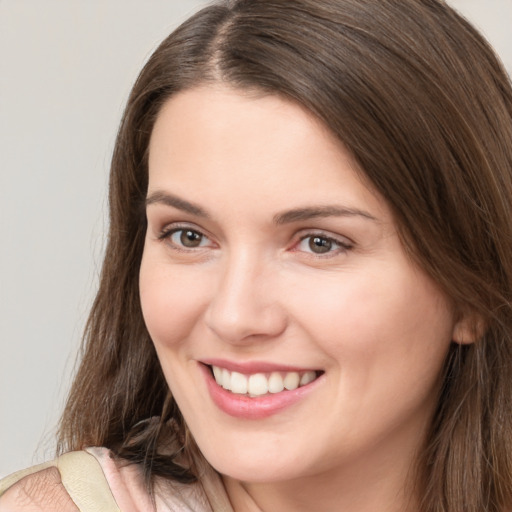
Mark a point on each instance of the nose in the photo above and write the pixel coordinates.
(245, 305)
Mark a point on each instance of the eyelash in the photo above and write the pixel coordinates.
(341, 246)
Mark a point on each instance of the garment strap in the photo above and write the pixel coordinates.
(85, 482)
(82, 478)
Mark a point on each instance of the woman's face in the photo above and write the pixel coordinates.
(268, 262)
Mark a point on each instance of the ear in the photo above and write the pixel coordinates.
(469, 328)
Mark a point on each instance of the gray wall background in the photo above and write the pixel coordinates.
(66, 67)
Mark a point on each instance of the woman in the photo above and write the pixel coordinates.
(305, 299)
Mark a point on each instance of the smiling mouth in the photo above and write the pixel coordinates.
(260, 384)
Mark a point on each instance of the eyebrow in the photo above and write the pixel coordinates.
(313, 212)
(286, 217)
(159, 197)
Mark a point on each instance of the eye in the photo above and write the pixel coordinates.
(185, 238)
(188, 238)
(322, 245)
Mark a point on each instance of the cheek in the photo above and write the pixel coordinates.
(171, 303)
(378, 321)
(385, 338)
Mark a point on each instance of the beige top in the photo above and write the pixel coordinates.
(97, 482)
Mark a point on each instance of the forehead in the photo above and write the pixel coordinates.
(223, 144)
(223, 118)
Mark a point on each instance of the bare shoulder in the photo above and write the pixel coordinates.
(40, 492)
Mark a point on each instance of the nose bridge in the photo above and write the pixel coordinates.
(244, 305)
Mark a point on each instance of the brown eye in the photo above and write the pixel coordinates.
(186, 238)
(189, 238)
(319, 244)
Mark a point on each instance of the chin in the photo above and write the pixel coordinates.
(258, 463)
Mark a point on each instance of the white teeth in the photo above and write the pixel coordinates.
(307, 378)
(226, 379)
(260, 384)
(291, 381)
(238, 383)
(217, 373)
(275, 383)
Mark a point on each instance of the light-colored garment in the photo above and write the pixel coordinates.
(98, 482)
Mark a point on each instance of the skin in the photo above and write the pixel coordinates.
(42, 491)
(257, 290)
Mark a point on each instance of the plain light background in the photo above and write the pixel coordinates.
(66, 68)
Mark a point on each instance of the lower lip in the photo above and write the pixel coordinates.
(245, 407)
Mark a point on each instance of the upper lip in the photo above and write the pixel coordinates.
(251, 367)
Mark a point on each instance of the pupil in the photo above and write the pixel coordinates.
(190, 238)
(320, 245)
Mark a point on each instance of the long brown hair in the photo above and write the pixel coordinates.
(425, 107)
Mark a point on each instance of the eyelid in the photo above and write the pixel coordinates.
(341, 239)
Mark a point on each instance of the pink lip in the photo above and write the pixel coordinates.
(244, 407)
(253, 366)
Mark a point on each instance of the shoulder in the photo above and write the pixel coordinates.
(72, 482)
(39, 492)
